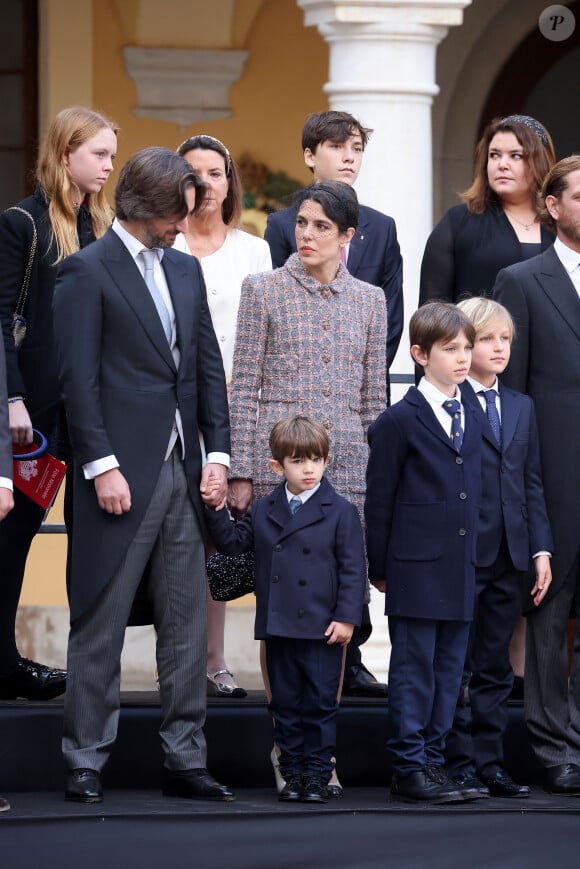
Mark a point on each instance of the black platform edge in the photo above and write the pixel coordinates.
(239, 739)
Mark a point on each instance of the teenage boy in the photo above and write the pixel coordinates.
(333, 144)
(310, 586)
(513, 527)
(423, 484)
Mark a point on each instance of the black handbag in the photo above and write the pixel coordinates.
(19, 322)
(230, 576)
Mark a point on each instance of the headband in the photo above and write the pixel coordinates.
(531, 124)
(193, 140)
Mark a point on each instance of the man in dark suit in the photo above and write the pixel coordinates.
(141, 374)
(333, 144)
(6, 497)
(542, 296)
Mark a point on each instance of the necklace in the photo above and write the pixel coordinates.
(526, 226)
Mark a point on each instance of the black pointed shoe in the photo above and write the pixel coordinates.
(292, 790)
(314, 790)
(84, 786)
(501, 785)
(32, 681)
(196, 784)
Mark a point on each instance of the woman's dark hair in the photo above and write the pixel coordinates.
(538, 152)
(232, 204)
(153, 183)
(337, 199)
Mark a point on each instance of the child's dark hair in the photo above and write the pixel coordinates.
(298, 437)
(438, 321)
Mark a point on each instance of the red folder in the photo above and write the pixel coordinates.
(39, 478)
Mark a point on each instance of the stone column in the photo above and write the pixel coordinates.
(382, 70)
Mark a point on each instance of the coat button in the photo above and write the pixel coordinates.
(275, 579)
(458, 460)
(463, 495)
(301, 614)
(462, 532)
(301, 582)
(306, 550)
(278, 547)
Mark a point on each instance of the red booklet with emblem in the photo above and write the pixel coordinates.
(38, 474)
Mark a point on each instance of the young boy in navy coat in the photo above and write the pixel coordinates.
(421, 509)
(513, 529)
(310, 588)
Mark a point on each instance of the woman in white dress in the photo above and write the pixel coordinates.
(227, 255)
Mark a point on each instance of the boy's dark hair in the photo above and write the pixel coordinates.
(438, 321)
(338, 201)
(332, 127)
(298, 437)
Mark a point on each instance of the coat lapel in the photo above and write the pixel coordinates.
(427, 417)
(125, 274)
(359, 242)
(510, 412)
(311, 512)
(181, 290)
(556, 284)
(471, 399)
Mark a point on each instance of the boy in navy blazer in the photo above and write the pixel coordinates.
(310, 588)
(513, 528)
(421, 510)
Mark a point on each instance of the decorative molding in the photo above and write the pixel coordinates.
(182, 85)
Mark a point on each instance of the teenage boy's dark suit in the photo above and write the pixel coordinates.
(513, 526)
(421, 513)
(310, 570)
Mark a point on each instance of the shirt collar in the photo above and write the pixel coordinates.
(303, 496)
(568, 257)
(133, 245)
(434, 395)
(479, 387)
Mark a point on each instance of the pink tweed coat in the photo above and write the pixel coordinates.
(303, 347)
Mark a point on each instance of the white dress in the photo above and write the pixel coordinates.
(240, 255)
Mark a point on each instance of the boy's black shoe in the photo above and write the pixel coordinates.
(423, 786)
(292, 790)
(501, 785)
(441, 776)
(467, 780)
(314, 790)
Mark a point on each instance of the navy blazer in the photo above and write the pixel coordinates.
(310, 566)
(512, 495)
(421, 510)
(374, 257)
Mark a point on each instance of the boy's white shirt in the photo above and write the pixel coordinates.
(436, 399)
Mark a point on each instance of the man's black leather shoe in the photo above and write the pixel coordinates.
(563, 779)
(314, 790)
(501, 785)
(468, 781)
(292, 790)
(32, 681)
(196, 784)
(84, 786)
(358, 682)
(422, 787)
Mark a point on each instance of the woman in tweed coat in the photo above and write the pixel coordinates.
(310, 340)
